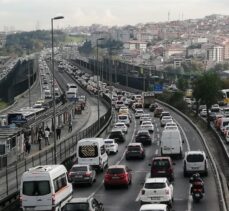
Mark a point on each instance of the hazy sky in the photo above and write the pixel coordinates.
(27, 14)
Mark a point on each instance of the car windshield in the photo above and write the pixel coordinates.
(109, 142)
(115, 171)
(161, 163)
(154, 185)
(195, 158)
(76, 207)
(122, 117)
(36, 188)
(79, 168)
(115, 134)
(142, 134)
(133, 148)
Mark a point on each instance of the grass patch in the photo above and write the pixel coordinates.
(3, 104)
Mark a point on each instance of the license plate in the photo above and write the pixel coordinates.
(197, 194)
(29, 208)
(115, 177)
(161, 172)
(195, 168)
(78, 176)
(155, 198)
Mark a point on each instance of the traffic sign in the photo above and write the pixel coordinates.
(158, 88)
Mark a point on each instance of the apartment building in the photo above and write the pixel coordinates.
(215, 53)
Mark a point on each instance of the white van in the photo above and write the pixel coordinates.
(171, 143)
(45, 188)
(92, 151)
(124, 118)
(72, 86)
(224, 123)
(71, 95)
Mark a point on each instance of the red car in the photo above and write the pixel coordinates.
(117, 175)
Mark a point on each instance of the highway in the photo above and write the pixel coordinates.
(128, 199)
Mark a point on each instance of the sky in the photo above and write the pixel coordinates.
(36, 14)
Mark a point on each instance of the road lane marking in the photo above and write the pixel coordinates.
(156, 152)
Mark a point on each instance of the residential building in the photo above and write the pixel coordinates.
(215, 53)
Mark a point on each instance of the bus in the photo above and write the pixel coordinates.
(225, 95)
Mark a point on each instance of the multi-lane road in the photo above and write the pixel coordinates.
(119, 199)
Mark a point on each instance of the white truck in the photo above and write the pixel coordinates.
(148, 98)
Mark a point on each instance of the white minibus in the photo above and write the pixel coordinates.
(92, 151)
(45, 188)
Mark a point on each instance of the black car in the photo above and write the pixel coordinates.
(153, 106)
(143, 136)
(135, 150)
(83, 204)
(117, 135)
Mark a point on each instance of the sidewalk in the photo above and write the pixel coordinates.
(78, 122)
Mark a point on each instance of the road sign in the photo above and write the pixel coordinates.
(158, 88)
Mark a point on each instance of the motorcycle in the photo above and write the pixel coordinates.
(197, 194)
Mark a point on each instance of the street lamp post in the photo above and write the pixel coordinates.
(97, 67)
(53, 90)
(28, 66)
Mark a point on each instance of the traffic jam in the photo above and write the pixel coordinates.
(137, 117)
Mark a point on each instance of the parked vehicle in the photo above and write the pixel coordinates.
(83, 204)
(162, 167)
(92, 151)
(82, 174)
(117, 175)
(135, 150)
(41, 185)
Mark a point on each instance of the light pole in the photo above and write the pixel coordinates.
(97, 72)
(28, 66)
(53, 91)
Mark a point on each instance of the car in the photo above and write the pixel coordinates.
(123, 110)
(145, 116)
(138, 113)
(157, 190)
(117, 135)
(122, 126)
(147, 125)
(143, 136)
(165, 119)
(82, 174)
(164, 113)
(153, 106)
(162, 166)
(111, 146)
(118, 104)
(154, 207)
(135, 150)
(83, 204)
(158, 111)
(203, 112)
(195, 162)
(117, 175)
(124, 118)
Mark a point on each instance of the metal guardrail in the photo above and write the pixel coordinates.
(10, 179)
(219, 185)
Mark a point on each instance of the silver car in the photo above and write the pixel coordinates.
(82, 174)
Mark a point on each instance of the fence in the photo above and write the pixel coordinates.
(10, 179)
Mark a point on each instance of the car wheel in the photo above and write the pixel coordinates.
(106, 187)
(130, 182)
(127, 186)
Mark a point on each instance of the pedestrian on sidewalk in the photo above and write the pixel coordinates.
(70, 126)
(39, 140)
(27, 146)
(58, 132)
(47, 132)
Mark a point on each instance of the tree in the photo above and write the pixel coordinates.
(206, 90)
